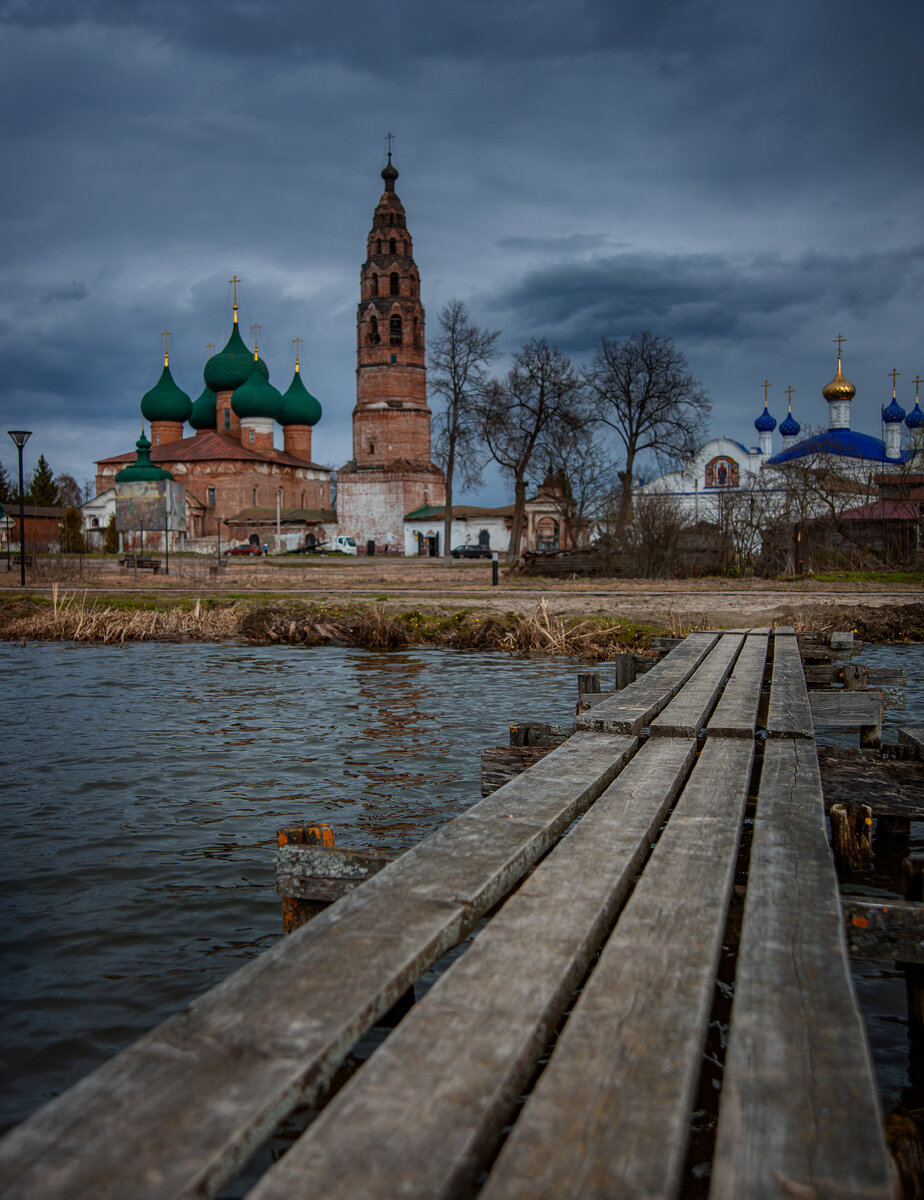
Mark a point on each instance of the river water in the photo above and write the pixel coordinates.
(144, 788)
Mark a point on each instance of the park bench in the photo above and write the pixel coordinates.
(135, 562)
(559, 1056)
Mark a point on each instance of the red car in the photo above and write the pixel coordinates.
(245, 548)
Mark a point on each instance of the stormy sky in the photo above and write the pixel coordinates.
(746, 179)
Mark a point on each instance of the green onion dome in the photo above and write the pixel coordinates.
(204, 414)
(165, 401)
(256, 397)
(299, 407)
(228, 370)
(142, 468)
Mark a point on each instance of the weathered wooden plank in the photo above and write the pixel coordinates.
(845, 709)
(789, 714)
(500, 764)
(178, 1112)
(736, 713)
(885, 931)
(686, 714)
(828, 674)
(610, 1113)
(539, 733)
(891, 788)
(630, 709)
(430, 1106)
(798, 1113)
(912, 736)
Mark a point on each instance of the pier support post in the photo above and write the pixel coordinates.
(625, 670)
(913, 889)
(851, 835)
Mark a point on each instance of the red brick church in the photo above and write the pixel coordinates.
(236, 479)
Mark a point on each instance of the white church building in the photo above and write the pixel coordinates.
(724, 464)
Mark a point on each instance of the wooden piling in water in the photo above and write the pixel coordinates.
(913, 889)
(851, 836)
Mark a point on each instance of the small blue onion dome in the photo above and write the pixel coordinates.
(299, 407)
(204, 413)
(765, 423)
(915, 418)
(256, 397)
(165, 401)
(893, 413)
(789, 426)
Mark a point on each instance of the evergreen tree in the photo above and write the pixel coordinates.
(111, 545)
(72, 532)
(42, 490)
(7, 488)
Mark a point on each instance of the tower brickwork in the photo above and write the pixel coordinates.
(392, 472)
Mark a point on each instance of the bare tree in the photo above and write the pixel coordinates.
(69, 494)
(458, 357)
(642, 389)
(586, 480)
(540, 399)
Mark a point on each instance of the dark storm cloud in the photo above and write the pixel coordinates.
(702, 297)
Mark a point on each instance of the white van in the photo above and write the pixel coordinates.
(341, 545)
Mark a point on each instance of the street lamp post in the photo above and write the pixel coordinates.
(20, 437)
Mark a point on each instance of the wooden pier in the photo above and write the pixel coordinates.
(560, 1055)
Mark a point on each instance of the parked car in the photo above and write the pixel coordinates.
(245, 548)
(472, 550)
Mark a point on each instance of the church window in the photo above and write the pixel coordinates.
(227, 412)
(394, 284)
(392, 246)
(378, 245)
(395, 330)
(158, 439)
(394, 359)
(391, 218)
(372, 447)
(375, 284)
(413, 285)
(210, 497)
(374, 331)
(303, 499)
(252, 437)
(254, 497)
(416, 334)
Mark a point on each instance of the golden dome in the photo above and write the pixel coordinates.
(839, 388)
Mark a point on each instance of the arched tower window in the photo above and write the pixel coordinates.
(395, 330)
(413, 282)
(374, 331)
(416, 334)
(378, 245)
(394, 284)
(392, 246)
(375, 284)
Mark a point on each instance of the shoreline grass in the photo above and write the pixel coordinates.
(379, 625)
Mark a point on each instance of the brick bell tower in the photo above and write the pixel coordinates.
(391, 473)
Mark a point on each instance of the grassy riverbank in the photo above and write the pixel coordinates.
(114, 619)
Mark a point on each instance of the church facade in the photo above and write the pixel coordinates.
(238, 482)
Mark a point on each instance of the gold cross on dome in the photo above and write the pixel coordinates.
(895, 374)
(766, 385)
(917, 382)
(789, 392)
(165, 335)
(210, 346)
(255, 328)
(389, 143)
(840, 339)
(298, 341)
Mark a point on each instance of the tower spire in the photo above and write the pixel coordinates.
(297, 341)
(165, 335)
